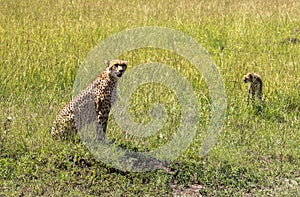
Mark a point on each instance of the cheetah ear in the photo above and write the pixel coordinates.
(107, 62)
(251, 75)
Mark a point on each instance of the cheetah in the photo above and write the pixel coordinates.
(255, 87)
(93, 104)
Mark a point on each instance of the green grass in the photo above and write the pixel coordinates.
(43, 43)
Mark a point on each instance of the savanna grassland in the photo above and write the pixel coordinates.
(43, 44)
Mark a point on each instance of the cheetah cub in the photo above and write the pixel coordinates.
(255, 86)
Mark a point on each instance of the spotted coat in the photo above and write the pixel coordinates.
(92, 104)
(255, 86)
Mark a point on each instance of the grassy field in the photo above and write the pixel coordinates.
(43, 43)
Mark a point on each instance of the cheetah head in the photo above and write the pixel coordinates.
(248, 77)
(116, 68)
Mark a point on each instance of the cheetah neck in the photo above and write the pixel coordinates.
(110, 80)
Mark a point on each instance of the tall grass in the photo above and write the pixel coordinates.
(43, 43)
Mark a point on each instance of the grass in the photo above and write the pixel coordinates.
(43, 43)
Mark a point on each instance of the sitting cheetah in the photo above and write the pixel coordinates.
(255, 87)
(92, 104)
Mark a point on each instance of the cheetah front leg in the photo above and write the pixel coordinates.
(248, 95)
(253, 93)
(101, 127)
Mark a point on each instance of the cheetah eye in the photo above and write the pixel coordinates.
(116, 65)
